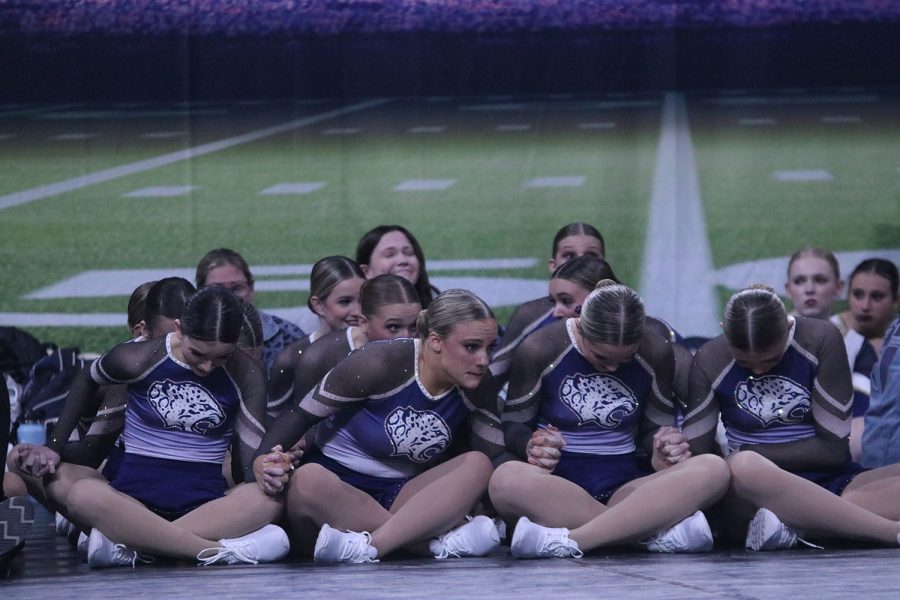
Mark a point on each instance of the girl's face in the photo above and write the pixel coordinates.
(871, 304)
(812, 286)
(391, 321)
(229, 276)
(607, 358)
(203, 357)
(340, 308)
(394, 254)
(567, 297)
(465, 352)
(573, 247)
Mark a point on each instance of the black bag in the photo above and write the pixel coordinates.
(19, 350)
(48, 385)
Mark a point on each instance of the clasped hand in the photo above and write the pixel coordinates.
(670, 447)
(272, 470)
(545, 447)
(36, 460)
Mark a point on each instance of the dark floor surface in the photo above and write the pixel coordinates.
(49, 569)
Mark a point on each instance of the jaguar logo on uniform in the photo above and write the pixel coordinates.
(185, 406)
(419, 434)
(773, 399)
(603, 399)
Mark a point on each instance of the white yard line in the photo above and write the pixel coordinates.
(676, 278)
(68, 185)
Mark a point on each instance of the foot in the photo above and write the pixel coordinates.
(103, 552)
(689, 535)
(333, 546)
(82, 544)
(767, 532)
(478, 537)
(64, 527)
(267, 544)
(531, 540)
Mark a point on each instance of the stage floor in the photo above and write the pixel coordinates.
(49, 568)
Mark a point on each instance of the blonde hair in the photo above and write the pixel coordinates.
(613, 314)
(450, 308)
(755, 319)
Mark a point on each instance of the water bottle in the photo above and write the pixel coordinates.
(32, 433)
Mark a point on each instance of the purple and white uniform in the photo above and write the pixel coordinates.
(380, 421)
(795, 410)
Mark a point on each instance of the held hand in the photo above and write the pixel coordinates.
(297, 451)
(272, 470)
(544, 448)
(35, 460)
(670, 447)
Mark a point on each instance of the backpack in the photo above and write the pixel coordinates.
(19, 350)
(47, 386)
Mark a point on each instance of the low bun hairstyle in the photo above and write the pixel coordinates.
(327, 273)
(213, 314)
(612, 314)
(450, 308)
(585, 271)
(384, 290)
(755, 319)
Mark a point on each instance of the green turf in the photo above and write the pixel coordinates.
(487, 214)
(750, 215)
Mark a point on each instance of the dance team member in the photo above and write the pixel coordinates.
(189, 394)
(378, 478)
(813, 282)
(334, 285)
(586, 394)
(782, 387)
(571, 241)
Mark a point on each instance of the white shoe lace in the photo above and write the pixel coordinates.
(122, 554)
(356, 549)
(560, 545)
(237, 552)
(451, 542)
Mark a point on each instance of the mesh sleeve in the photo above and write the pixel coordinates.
(125, 363)
(523, 322)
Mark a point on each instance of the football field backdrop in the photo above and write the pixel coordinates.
(97, 197)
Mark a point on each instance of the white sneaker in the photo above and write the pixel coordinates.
(267, 544)
(478, 537)
(82, 544)
(767, 532)
(689, 535)
(64, 527)
(531, 540)
(103, 552)
(333, 546)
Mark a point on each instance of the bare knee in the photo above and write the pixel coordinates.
(308, 488)
(749, 472)
(85, 500)
(13, 485)
(479, 465)
(715, 469)
(506, 483)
